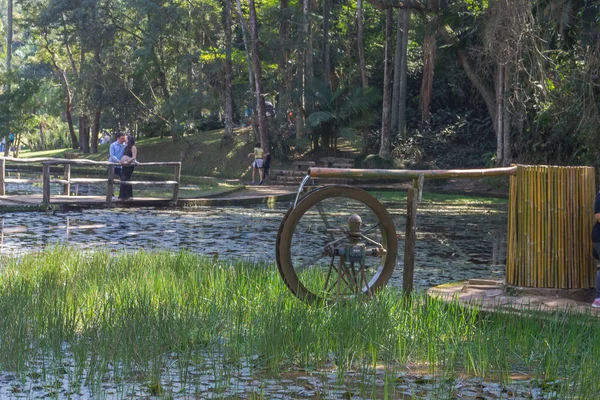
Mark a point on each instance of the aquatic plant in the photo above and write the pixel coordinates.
(164, 323)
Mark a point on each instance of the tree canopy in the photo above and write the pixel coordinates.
(496, 81)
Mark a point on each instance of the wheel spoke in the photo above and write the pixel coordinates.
(376, 243)
(310, 262)
(318, 234)
(324, 218)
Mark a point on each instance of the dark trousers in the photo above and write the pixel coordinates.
(597, 248)
(126, 190)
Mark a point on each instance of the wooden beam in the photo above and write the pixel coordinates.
(410, 236)
(2, 176)
(67, 186)
(351, 173)
(176, 185)
(46, 185)
(110, 186)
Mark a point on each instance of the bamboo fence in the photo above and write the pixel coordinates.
(551, 214)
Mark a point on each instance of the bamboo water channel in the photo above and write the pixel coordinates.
(549, 221)
(67, 180)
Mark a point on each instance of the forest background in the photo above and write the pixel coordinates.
(429, 83)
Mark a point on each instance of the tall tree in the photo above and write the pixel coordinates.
(404, 15)
(326, 44)
(360, 44)
(228, 138)
(9, 42)
(260, 100)
(385, 147)
(62, 76)
(429, 55)
(248, 51)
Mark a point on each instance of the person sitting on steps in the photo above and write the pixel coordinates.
(258, 163)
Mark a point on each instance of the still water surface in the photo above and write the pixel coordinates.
(454, 241)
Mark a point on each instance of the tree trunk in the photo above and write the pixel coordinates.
(429, 54)
(397, 64)
(301, 85)
(260, 100)
(506, 142)
(67, 89)
(326, 45)
(84, 138)
(96, 131)
(17, 145)
(98, 112)
(405, 15)
(360, 44)
(499, 118)
(228, 138)
(42, 137)
(285, 70)
(308, 53)
(250, 72)
(9, 40)
(384, 149)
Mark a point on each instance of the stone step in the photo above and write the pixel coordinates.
(287, 172)
(343, 165)
(296, 180)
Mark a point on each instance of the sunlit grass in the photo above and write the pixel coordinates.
(431, 198)
(128, 317)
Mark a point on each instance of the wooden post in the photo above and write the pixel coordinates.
(411, 236)
(2, 174)
(67, 186)
(176, 186)
(46, 185)
(110, 186)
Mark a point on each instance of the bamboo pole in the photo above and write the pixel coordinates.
(549, 224)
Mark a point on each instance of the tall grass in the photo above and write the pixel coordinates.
(131, 317)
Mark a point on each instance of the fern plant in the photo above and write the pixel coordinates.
(345, 112)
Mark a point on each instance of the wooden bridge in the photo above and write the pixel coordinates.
(46, 200)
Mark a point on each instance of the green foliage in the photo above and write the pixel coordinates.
(342, 113)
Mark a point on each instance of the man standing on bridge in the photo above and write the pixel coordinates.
(116, 153)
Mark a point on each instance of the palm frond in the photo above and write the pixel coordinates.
(359, 100)
(319, 118)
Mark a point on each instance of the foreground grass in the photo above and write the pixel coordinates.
(127, 317)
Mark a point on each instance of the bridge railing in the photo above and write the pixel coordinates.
(66, 181)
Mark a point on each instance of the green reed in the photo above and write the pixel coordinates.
(128, 317)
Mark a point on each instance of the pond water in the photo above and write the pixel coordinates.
(454, 241)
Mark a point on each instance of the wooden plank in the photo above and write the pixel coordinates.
(46, 185)
(410, 239)
(15, 180)
(110, 186)
(150, 183)
(347, 173)
(67, 186)
(2, 177)
(89, 180)
(176, 185)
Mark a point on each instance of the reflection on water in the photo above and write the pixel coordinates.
(453, 242)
